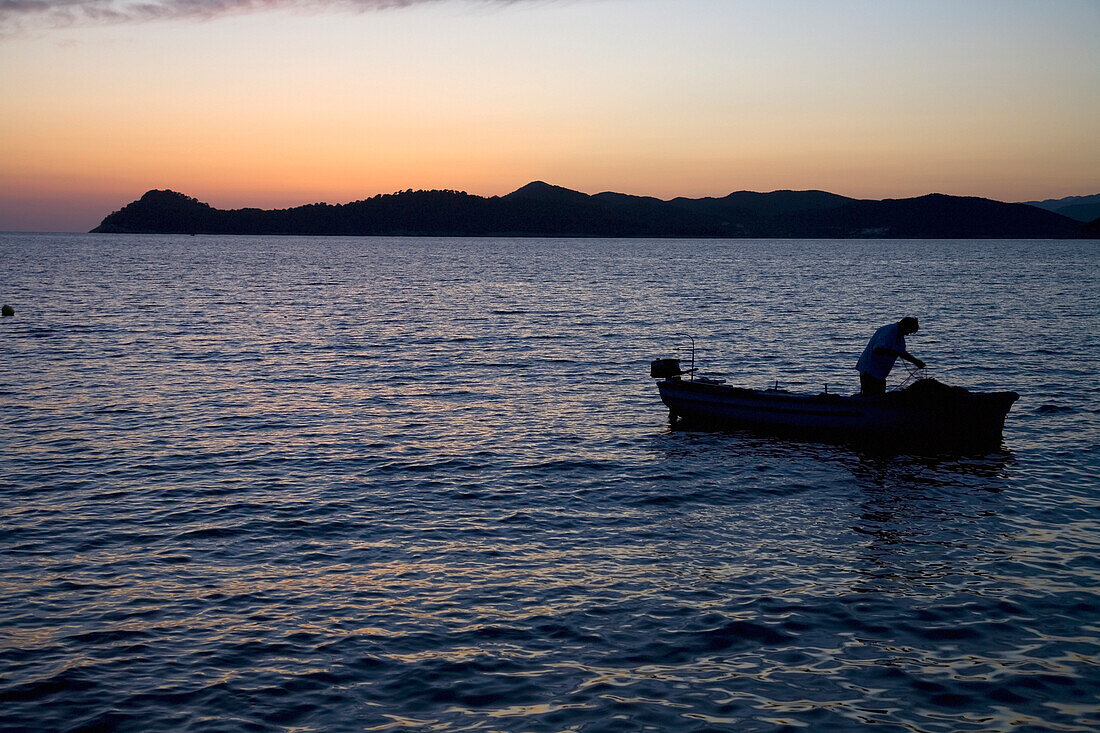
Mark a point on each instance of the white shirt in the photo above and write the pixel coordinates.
(879, 365)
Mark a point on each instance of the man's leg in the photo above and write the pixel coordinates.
(871, 386)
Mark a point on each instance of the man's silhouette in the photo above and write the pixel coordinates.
(882, 351)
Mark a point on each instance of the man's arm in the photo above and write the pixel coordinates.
(912, 359)
(883, 351)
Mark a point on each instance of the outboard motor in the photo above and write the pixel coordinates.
(665, 368)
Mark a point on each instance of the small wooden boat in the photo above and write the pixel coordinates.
(925, 415)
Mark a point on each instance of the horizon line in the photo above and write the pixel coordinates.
(620, 193)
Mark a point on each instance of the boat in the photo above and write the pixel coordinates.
(925, 415)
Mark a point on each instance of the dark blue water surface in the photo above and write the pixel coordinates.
(295, 484)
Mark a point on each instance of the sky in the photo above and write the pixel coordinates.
(275, 103)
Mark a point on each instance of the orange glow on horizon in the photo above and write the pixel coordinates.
(658, 99)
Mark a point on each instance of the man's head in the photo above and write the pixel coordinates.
(908, 325)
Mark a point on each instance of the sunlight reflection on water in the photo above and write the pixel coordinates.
(262, 484)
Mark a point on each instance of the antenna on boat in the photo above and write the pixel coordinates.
(692, 370)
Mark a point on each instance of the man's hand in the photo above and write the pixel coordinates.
(918, 363)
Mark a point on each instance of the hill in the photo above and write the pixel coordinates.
(543, 210)
(1081, 208)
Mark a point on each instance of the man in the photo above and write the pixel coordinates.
(882, 351)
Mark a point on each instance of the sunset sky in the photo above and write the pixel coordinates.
(280, 102)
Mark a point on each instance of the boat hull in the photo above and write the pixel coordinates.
(931, 418)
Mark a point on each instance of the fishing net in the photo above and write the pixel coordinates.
(931, 390)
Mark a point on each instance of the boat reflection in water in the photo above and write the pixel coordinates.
(925, 416)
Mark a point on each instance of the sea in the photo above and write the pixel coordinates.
(427, 484)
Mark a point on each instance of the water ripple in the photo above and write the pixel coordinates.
(270, 484)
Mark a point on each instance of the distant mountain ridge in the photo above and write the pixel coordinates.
(1081, 208)
(542, 210)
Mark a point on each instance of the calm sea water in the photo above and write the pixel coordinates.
(295, 484)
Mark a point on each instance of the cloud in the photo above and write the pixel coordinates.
(17, 14)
